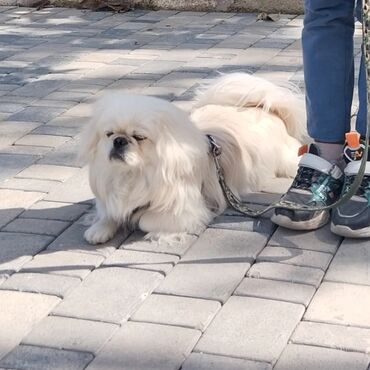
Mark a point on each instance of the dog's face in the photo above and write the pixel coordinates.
(131, 132)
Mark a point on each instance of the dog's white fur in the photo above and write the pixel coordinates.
(167, 183)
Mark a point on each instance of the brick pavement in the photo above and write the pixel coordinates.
(242, 295)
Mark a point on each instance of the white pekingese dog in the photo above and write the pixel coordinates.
(150, 163)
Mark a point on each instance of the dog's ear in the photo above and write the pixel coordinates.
(175, 154)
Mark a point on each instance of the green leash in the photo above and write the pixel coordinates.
(242, 207)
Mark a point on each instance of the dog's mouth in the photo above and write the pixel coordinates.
(114, 155)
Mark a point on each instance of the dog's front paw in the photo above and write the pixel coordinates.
(99, 233)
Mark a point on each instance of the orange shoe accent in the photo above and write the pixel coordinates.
(303, 150)
(353, 139)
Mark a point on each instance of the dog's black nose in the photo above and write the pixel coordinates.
(119, 142)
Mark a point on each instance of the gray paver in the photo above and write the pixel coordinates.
(283, 272)
(42, 140)
(16, 249)
(142, 346)
(35, 358)
(204, 361)
(10, 164)
(173, 310)
(215, 265)
(55, 211)
(334, 336)
(14, 202)
(63, 262)
(48, 172)
(260, 225)
(36, 226)
(251, 328)
(109, 294)
(59, 286)
(72, 239)
(37, 114)
(313, 358)
(42, 186)
(70, 334)
(25, 309)
(159, 262)
(74, 190)
(278, 290)
(343, 304)
(137, 242)
(12, 131)
(351, 263)
(321, 240)
(295, 256)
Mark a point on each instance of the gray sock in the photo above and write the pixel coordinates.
(332, 152)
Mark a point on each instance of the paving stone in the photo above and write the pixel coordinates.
(251, 328)
(142, 346)
(31, 152)
(293, 274)
(295, 256)
(259, 225)
(12, 131)
(57, 130)
(70, 334)
(55, 211)
(66, 155)
(278, 290)
(69, 121)
(16, 249)
(48, 172)
(137, 242)
(312, 358)
(109, 294)
(321, 240)
(42, 186)
(178, 311)
(215, 264)
(158, 262)
(204, 361)
(37, 114)
(72, 239)
(38, 89)
(11, 164)
(351, 263)
(35, 358)
(42, 140)
(340, 337)
(343, 304)
(75, 189)
(18, 313)
(63, 262)
(36, 226)
(14, 202)
(59, 286)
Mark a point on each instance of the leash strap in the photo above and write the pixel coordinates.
(243, 207)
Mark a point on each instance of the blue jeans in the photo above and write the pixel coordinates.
(327, 43)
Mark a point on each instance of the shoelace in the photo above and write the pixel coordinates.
(322, 186)
(364, 188)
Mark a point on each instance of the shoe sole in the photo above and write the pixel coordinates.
(313, 224)
(347, 232)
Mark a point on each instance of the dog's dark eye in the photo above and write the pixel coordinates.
(109, 133)
(139, 137)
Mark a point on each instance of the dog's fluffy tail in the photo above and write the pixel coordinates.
(245, 90)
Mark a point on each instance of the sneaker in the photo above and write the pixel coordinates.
(317, 183)
(352, 219)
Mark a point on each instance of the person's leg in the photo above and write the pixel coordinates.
(352, 219)
(327, 43)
